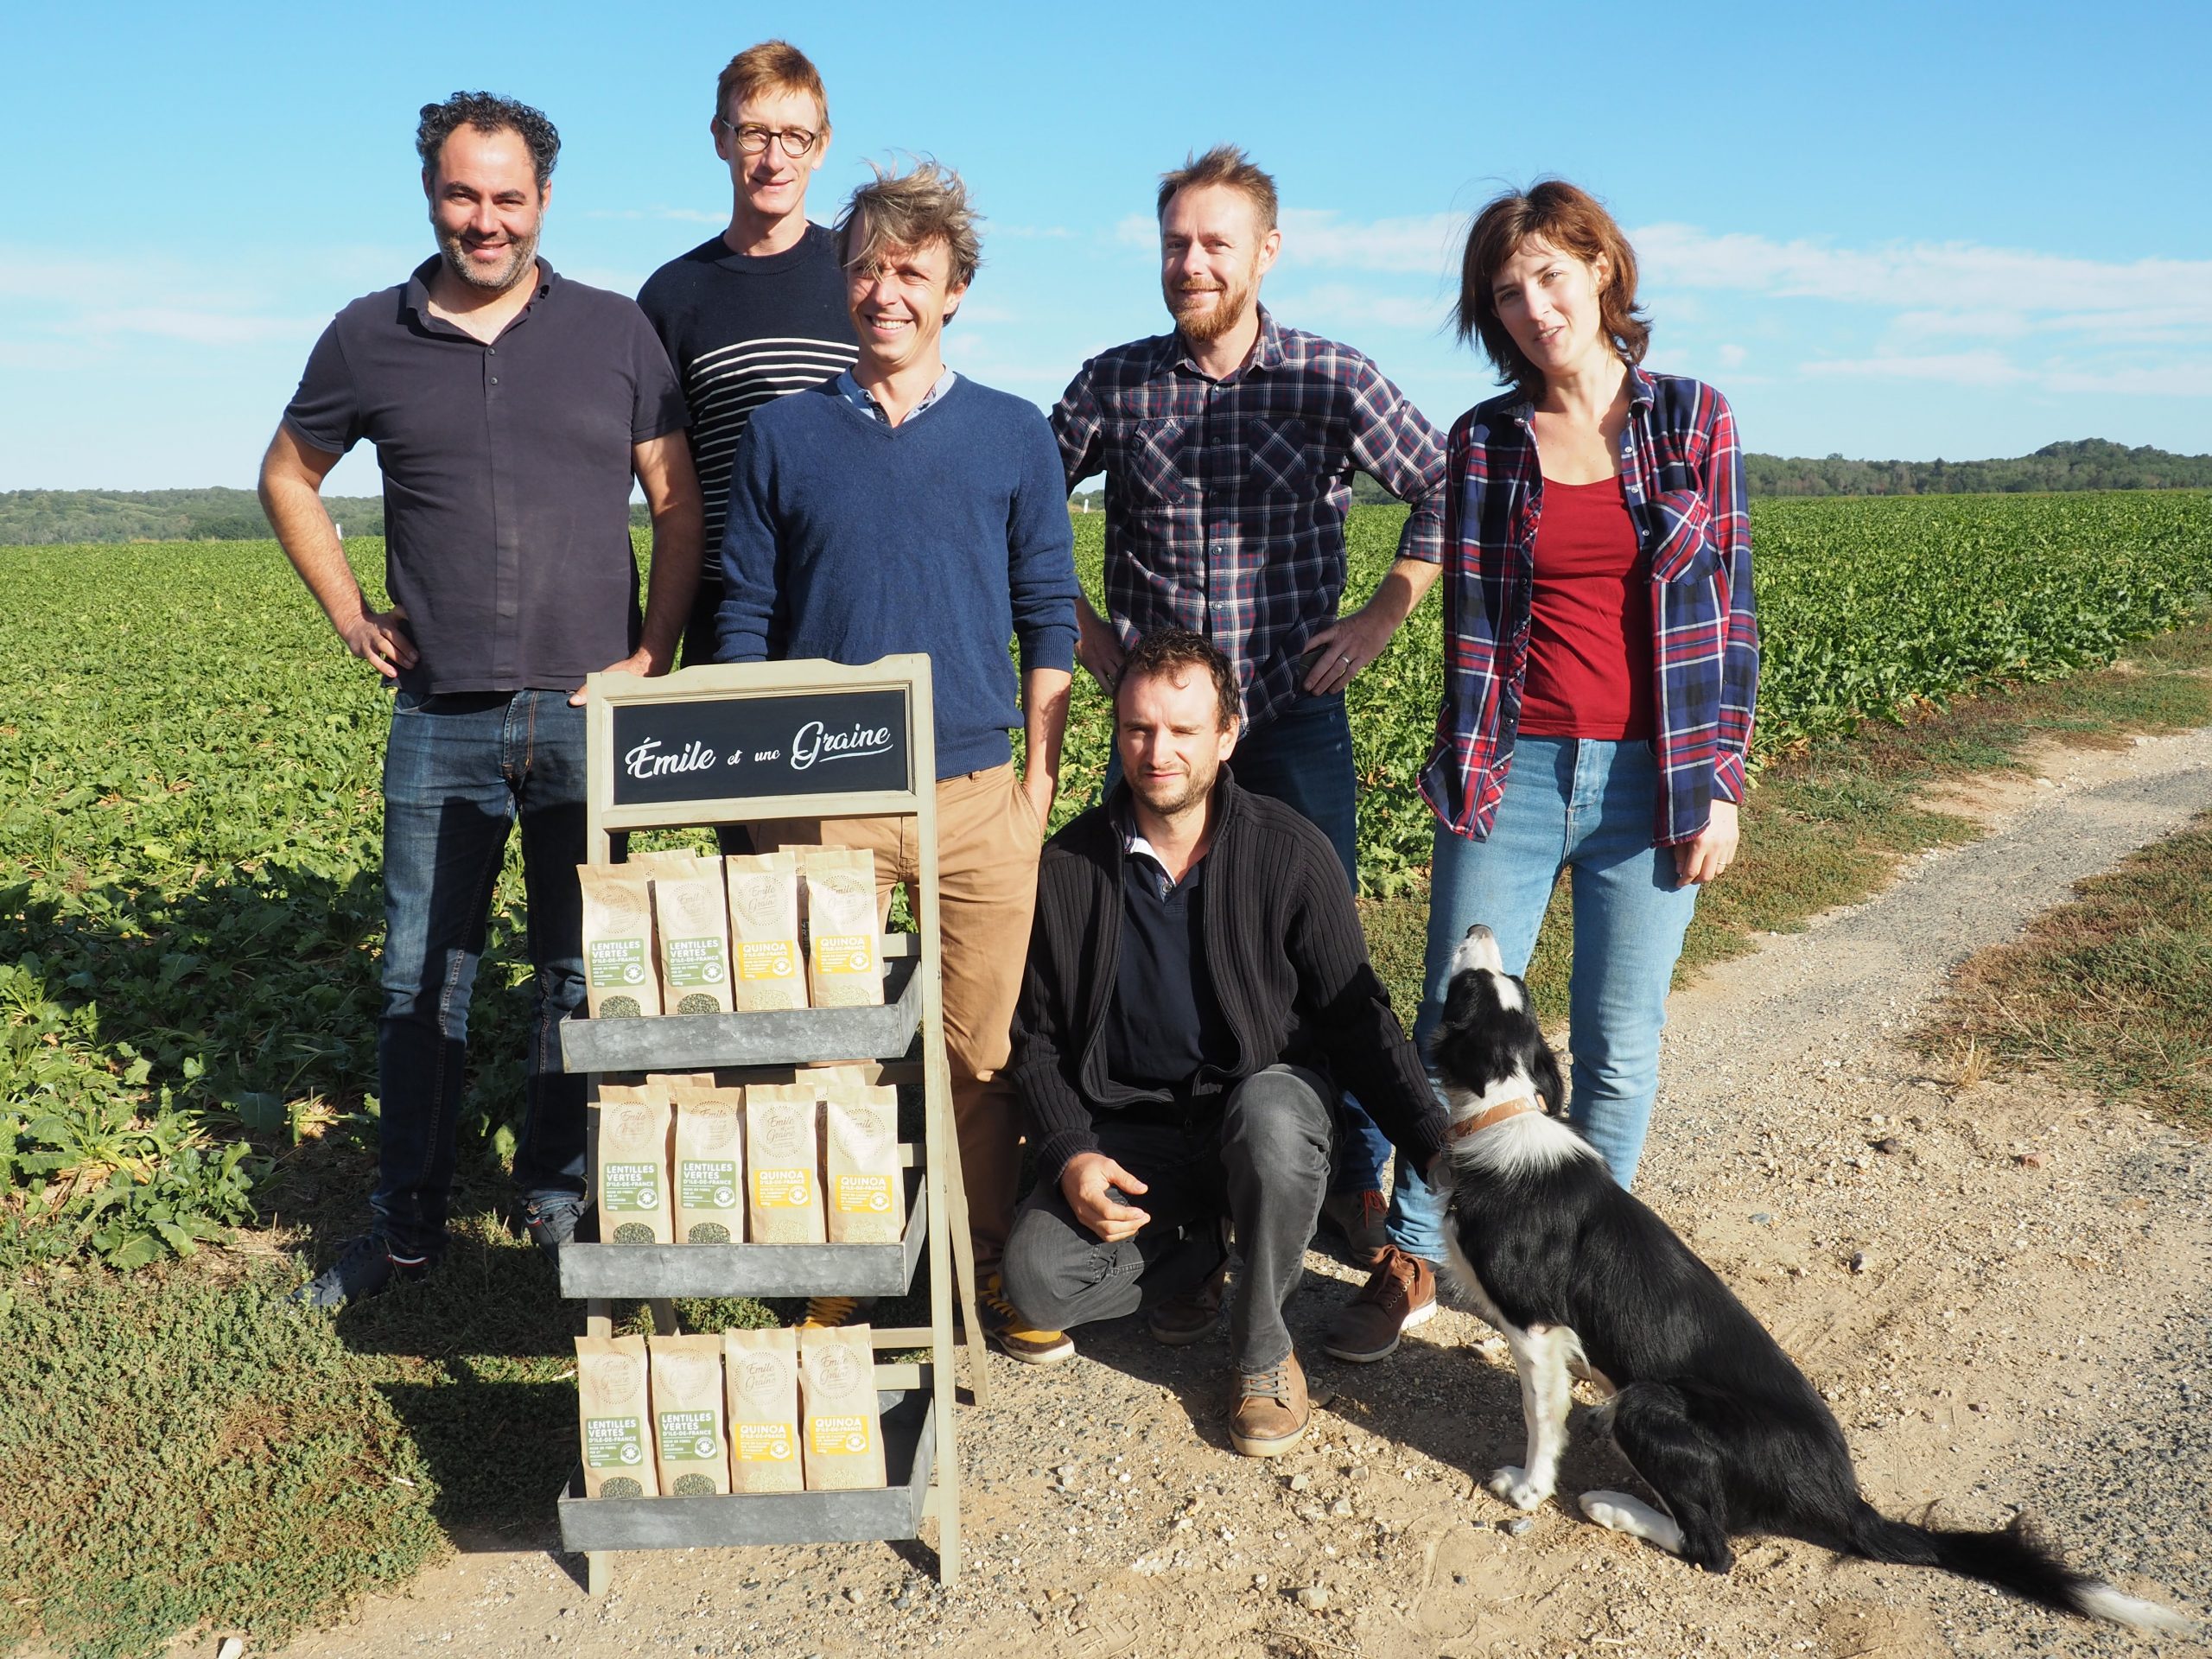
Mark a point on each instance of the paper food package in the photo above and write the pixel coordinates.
(768, 969)
(619, 978)
(692, 1456)
(709, 1164)
(781, 1166)
(841, 1424)
(692, 917)
(760, 1371)
(862, 1183)
(633, 1186)
(612, 1402)
(844, 966)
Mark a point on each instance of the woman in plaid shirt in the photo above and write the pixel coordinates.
(1600, 655)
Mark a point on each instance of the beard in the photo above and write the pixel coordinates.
(1176, 795)
(1232, 302)
(522, 258)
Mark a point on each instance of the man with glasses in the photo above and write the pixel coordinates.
(1228, 446)
(511, 410)
(758, 310)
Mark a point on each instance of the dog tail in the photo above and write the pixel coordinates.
(2012, 1558)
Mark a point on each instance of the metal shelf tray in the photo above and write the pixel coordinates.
(699, 1042)
(605, 1271)
(895, 1511)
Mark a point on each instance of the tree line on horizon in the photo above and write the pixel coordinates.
(32, 516)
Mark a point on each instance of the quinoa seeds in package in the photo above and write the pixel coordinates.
(760, 1371)
(843, 964)
(768, 971)
(842, 1429)
(782, 1166)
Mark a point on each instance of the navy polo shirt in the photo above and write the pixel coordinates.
(506, 470)
(1167, 1039)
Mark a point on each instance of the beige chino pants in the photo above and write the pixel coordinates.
(988, 842)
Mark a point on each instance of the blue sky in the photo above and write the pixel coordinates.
(1913, 231)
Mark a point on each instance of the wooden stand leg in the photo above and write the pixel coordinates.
(598, 1569)
(963, 1271)
(664, 1317)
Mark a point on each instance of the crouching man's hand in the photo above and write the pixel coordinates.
(1090, 1182)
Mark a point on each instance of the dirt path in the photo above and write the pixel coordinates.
(2001, 1288)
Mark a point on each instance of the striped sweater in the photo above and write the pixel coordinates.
(741, 332)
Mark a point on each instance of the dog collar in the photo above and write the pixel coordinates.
(1497, 1113)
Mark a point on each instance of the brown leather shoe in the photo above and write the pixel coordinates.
(1191, 1317)
(1362, 1219)
(1271, 1411)
(1400, 1294)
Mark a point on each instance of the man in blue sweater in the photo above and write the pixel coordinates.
(902, 508)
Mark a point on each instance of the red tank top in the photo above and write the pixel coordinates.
(1590, 619)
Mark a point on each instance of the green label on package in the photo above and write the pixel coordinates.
(696, 961)
(689, 1435)
(614, 1442)
(631, 1186)
(618, 961)
(706, 1183)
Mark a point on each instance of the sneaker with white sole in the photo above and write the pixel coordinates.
(365, 1267)
(1271, 1410)
(1013, 1335)
(1398, 1294)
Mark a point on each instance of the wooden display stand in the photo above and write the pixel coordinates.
(737, 744)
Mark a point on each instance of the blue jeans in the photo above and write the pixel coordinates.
(459, 771)
(1586, 806)
(1302, 757)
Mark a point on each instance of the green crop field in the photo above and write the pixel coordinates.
(189, 920)
(190, 911)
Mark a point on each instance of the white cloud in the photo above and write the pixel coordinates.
(196, 327)
(1948, 287)
(1339, 302)
(1420, 246)
(1989, 370)
(1952, 368)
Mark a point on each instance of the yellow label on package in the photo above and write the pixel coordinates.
(766, 1443)
(844, 953)
(864, 1195)
(766, 959)
(783, 1189)
(838, 1436)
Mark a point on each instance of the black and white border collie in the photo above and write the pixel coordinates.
(1582, 1280)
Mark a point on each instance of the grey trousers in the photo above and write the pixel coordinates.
(1264, 1163)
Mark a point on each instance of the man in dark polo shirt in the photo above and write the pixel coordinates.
(1198, 991)
(510, 410)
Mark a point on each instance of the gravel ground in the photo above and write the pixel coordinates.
(2001, 1286)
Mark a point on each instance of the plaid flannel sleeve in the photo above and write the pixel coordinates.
(1731, 529)
(1401, 449)
(1079, 424)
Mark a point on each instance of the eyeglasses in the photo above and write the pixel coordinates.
(798, 142)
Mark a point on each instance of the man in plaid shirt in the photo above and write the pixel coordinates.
(1229, 446)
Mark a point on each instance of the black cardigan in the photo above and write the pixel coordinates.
(1286, 953)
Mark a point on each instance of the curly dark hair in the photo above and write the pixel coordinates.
(488, 112)
(1171, 650)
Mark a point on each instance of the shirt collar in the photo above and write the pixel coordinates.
(1266, 351)
(1642, 390)
(416, 296)
(864, 400)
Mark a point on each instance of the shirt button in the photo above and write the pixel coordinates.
(495, 379)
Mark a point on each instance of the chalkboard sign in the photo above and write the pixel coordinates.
(797, 743)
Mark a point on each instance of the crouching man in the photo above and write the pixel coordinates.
(1198, 987)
